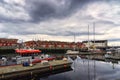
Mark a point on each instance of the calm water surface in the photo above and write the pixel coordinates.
(84, 69)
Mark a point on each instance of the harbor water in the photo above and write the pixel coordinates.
(84, 69)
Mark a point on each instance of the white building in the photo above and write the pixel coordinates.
(96, 43)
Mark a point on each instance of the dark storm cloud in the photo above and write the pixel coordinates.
(40, 10)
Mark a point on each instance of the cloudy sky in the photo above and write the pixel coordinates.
(60, 20)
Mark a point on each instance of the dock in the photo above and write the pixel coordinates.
(16, 71)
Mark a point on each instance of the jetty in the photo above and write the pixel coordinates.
(17, 71)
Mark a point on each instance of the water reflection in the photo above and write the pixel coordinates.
(44, 76)
(84, 69)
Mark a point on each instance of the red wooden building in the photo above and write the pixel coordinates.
(7, 42)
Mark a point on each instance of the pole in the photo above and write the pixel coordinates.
(88, 39)
(74, 37)
(94, 32)
(74, 42)
(94, 49)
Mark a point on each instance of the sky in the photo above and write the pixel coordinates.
(60, 20)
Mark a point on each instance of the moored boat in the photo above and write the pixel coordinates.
(30, 56)
(72, 52)
(27, 50)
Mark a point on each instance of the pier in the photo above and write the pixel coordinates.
(17, 71)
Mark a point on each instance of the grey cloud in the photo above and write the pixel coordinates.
(114, 40)
(2, 1)
(40, 10)
(44, 10)
(67, 33)
(8, 10)
(4, 19)
(105, 22)
(27, 29)
(83, 33)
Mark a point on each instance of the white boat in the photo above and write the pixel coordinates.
(109, 53)
(72, 52)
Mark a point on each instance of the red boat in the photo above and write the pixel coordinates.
(27, 51)
(35, 58)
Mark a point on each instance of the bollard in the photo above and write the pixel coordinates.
(51, 67)
(65, 65)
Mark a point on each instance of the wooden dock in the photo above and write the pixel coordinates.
(11, 72)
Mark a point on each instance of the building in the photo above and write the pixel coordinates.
(5, 42)
(101, 44)
(54, 44)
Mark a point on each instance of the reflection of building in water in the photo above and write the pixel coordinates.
(45, 76)
(101, 44)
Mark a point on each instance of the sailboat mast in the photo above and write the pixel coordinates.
(94, 49)
(94, 32)
(74, 42)
(88, 38)
(74, 38)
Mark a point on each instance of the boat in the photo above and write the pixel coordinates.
(28, 50)
(112, 53)
(72, 52)
(26, 56)
(32, 56)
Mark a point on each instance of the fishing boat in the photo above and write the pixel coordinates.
(26, 55)
(32, 55)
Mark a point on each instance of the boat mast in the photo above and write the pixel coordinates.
(74, 41)
(88, 39)
(94, 33)
(74, 37)
(94, 50)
